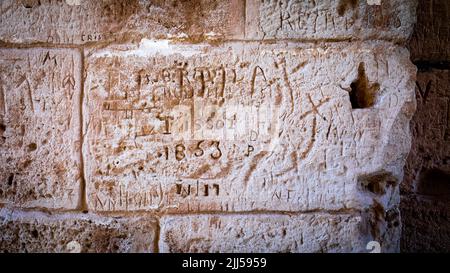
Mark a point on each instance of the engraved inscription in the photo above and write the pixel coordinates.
(39, 108)
(221, 128)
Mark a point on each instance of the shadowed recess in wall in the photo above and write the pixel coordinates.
(434, 182)
(377, 183)
(346, 4)
(363, 94)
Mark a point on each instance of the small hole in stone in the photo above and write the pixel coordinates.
(10, 179)
(32, 147)
(375, 187)
(377, 183)
(363, 94)
(34, 233)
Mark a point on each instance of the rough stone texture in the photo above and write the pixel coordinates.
(110, 21)
(40, 232)
(430, 151)
(425, 191)
(325, 127)
(264, 233)
(58, 22)
(242, 125)
(426, 187)
(431, 38)
(426, 223)
(330, 19)
(40, 127)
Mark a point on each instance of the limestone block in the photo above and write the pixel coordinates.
(80, 22)
(84, 21)
(431, 38)
(425, 188)
(330, 19)
(38, 232)
(427, 169)
(40, 127)
(251, 127)
(264, 233)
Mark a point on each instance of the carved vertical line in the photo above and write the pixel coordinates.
(82, 202)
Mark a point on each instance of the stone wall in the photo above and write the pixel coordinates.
(425, 202)
(209, 126)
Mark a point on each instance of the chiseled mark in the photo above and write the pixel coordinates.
(49, 58)
(424, 93)
(289, 87)
(314, 108)
(311, 140)
(69, 80)
(201, 171)
(294, 163)
(298, 67)
(21, 80)
(254, 75)
(30, 95)
(253, 165)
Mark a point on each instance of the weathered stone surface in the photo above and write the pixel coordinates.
(426, 189)
(426, 224)
(107, 21)
(39, 232)
(330, 19)
(264, 233)
(64, 22)
(275, 125)
(40, 127)
(246, 127)
(431, 38)
(430, 152)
